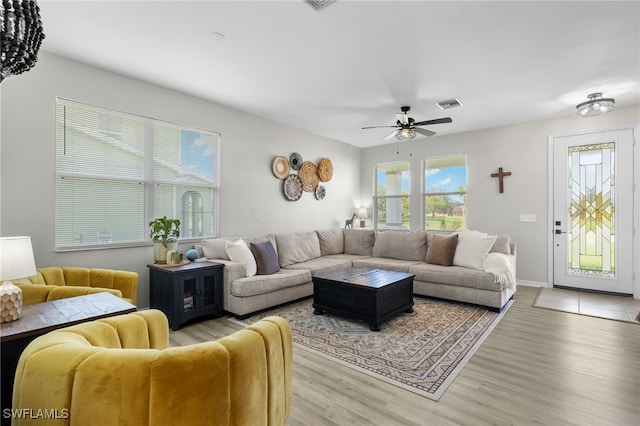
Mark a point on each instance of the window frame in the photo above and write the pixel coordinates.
(426, 194)
(377, 198)
(148, 179)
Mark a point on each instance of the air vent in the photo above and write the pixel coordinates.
(451, 103)
(319, 4)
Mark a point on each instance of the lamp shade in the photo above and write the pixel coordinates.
(16, 258)
(362, 213)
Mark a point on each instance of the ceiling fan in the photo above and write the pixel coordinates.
(406, 126)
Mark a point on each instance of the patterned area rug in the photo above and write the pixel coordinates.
(422, 351)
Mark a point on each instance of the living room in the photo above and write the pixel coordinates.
(250, 198)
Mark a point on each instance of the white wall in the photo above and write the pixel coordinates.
(251, 199)
(520, 149)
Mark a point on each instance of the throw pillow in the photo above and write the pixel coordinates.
(359, 241)
(472, 249)
(502, 245)
(239, 252)
(215, 248)
(266, 258)
(442, 249)
(331, 241)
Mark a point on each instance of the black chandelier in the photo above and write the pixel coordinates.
(21, 36)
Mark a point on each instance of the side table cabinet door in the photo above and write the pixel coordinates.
(211, 281)
(187, 297)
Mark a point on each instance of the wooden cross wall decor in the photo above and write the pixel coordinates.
(500, 175)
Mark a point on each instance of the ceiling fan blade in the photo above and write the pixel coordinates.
(376, 127)
(402, 118)
(424, 131)
(390, 135)
(436, 121)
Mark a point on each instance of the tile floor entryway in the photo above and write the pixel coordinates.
(586, 303)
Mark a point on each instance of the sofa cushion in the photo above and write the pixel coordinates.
(322, 265)
(472, 249)
(359, 241)
(239, 252)
(215, 248)
(401, 245)
(398, 265)
(263, 284)
(456, 276)
(296, 248)
(266, 257)
(502, 245)
(331, 241)
(441, 249)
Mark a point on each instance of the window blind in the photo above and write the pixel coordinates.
(117, 171)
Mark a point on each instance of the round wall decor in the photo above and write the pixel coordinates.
(325, 170)
(292, 187)
(295, 160)
(309, 176)
(321, 192)
(280, 167)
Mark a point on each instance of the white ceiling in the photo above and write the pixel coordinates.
(355, 63)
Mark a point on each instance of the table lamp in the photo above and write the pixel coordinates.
(16, 261)
(362, 214)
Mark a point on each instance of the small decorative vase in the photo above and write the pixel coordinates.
(10, 302)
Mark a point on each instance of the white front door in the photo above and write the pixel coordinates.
(593, 211)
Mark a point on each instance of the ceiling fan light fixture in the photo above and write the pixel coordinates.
(596, 105)
(405, 134)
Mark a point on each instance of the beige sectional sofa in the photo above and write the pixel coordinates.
(301, 256)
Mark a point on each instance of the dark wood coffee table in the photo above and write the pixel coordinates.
(41, 318)
(373, 295)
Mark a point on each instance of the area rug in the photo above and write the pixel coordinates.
(422, 351)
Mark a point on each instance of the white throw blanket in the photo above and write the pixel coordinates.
(499, 265)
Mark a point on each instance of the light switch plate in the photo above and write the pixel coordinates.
(527, 218)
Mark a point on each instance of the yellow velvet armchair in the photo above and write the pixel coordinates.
(61, 282)
(120, 371)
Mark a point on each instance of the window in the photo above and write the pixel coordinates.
(117, 171)
(445, 193)
(392, 195)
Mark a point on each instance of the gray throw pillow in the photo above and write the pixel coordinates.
(502, 245)
(442, 249)
(266, 257)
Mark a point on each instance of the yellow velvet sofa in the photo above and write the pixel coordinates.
(61, 282)
(120, 371)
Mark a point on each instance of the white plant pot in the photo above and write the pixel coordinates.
(160, 251)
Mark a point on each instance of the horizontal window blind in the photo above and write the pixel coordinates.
(117, 171)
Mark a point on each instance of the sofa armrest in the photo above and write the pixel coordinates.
(232, 271)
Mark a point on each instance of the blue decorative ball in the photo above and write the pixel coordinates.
(192, 254)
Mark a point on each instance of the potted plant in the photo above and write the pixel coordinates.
(164, 233)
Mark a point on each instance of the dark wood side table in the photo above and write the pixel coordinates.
(373, 295)
(41, 318)
(188, 291)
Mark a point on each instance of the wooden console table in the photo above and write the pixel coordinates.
(40, 318)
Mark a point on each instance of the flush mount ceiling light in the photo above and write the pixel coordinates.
(20, 36)
(596, 105)
(405, 134)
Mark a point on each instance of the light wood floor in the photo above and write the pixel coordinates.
(538, 367)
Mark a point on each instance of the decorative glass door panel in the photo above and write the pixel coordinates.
(592, 209)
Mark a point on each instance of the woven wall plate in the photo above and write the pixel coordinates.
(280, 167)
(292, 187)
(321, 192)
(309, 175)
(325, 170)
(295, 161)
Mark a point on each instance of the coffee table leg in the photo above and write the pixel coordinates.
(374, 326)
(318, 311)
(409, 311)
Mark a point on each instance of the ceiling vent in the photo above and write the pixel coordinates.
(451, 103)
(319, 4)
